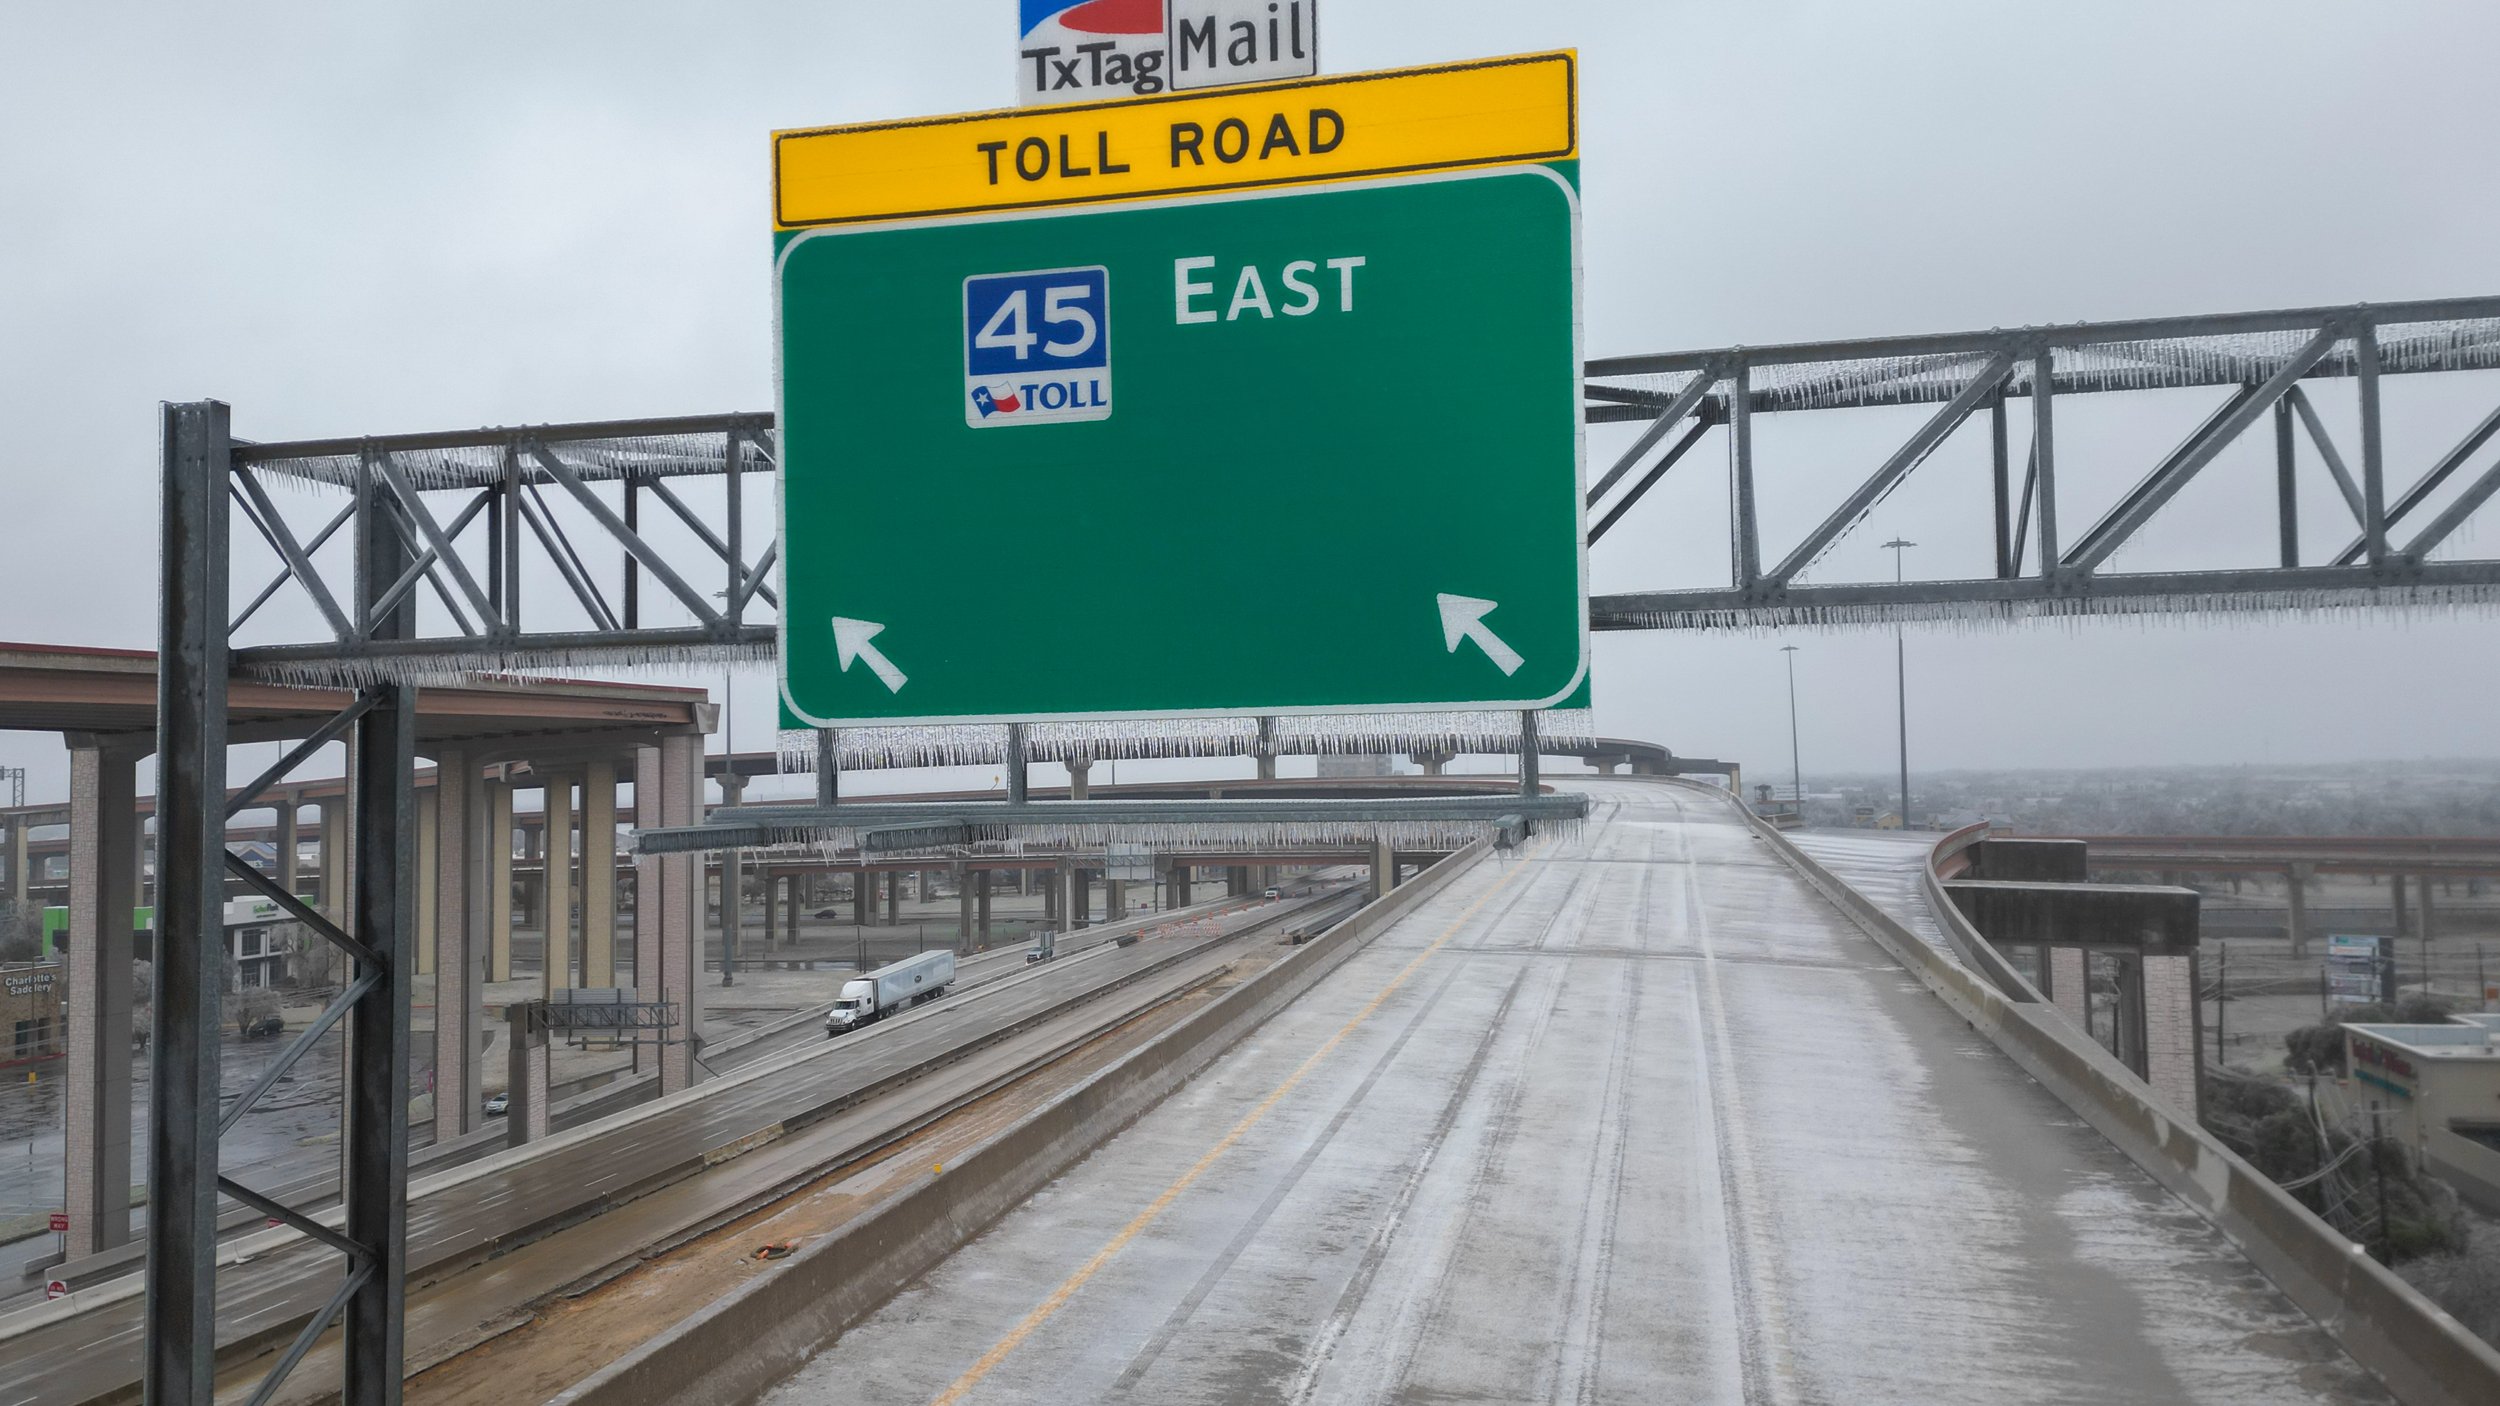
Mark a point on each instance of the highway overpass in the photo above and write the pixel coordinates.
(1653, 1108)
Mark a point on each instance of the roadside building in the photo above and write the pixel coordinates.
(2438, 1087)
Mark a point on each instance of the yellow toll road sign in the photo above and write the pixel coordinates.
(1486, 113)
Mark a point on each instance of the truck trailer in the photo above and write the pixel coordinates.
(872, 996)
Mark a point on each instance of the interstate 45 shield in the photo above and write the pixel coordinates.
(1341, 472)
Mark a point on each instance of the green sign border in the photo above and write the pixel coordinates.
(1563, 174)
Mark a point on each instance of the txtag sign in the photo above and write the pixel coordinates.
(1214, 42)
(1072, 50)
(1084, 50)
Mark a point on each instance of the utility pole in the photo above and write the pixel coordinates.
(2222, 1003)
(1796, 776)
(1901, 682)
(2378, 1165)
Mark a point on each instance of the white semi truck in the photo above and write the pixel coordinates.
(872, 996)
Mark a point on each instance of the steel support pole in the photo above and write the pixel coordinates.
(2286, 484)
(1015, 763)
(2373, 458)
(2001, 481)
(1528, 781)
(1745, 548)
(181, 1346)
(2044, 458)
(374, 1126)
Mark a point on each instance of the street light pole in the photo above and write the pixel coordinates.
(1901, 683)
(1796, 775)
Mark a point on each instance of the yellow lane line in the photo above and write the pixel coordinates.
(1059, 1297)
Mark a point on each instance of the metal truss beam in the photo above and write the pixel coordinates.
(563, 497)
(2276, 361)
(2469, 353)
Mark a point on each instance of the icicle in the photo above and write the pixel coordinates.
(1326, 734)
(1177, 839)
(2185, 608)
(491, 668)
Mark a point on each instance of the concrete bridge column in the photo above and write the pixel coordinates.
(893, 898)
(668, 896)
(498, 879)
(460, 941)
(1080, 776)
(333, 899)
(963, 909)
(733, 890)
(599, 874)
(288, 843)
(530, 1079)
(429, 841)
(2068, 978)
(1054, 886)
(2173, 1026)
(681, 935)
(1180, 886)
(2396, 896)
(103, 867)
(981, 905)
(1114, 900)
(556, 888)
(1432, 762)
(21, 869)
(1384, 873)
(649, 900)
(1080, 897)
(772, 910)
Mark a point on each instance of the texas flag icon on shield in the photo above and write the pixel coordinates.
(996, 398)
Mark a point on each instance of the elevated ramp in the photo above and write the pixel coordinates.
(1633, 1116)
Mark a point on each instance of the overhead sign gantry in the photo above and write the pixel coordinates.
(1259, 399)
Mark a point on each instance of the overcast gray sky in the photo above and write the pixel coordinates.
(361, 219)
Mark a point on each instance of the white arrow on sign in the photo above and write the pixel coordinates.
(851, 641)
(1462, 618)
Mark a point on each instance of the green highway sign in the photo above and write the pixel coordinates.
(1304, 449)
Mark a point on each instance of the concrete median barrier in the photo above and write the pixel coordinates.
(2425, 1357)
(742, 1343)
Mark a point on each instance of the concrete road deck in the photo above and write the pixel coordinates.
(1632, 1117)
(511, 1198)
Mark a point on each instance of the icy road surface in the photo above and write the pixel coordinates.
(1631, 1117)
